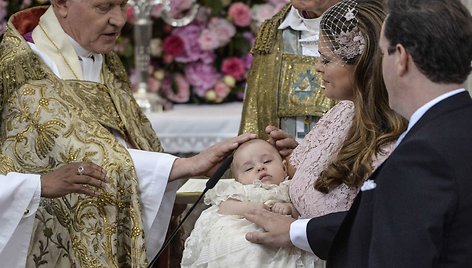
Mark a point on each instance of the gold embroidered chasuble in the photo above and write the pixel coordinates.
(47, 122)
(282, 83)
(7, 165)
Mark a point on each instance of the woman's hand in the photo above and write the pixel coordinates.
(283, 141)
(206, 162)
(82, 178)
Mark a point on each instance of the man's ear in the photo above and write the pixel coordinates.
(403, 60)
(61, 7)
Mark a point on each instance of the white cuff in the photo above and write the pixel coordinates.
(19, 200)
(298, 234)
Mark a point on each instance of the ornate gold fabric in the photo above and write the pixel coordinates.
(47, 122)
(300, 88)
(279, 84)
(7, 165)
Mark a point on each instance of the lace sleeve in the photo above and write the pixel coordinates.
(319, 148)
(336, 120)
(224, 190)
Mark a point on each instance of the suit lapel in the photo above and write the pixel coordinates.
(443, 107)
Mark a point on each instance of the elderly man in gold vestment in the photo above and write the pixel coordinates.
(283, 88)
(65, 97)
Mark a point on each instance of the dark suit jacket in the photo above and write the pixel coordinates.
(420, 213)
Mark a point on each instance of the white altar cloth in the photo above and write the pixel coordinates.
(191, 128)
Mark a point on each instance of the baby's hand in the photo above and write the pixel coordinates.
(282, 208)
(258, 205)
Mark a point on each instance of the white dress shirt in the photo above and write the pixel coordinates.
(309, 31)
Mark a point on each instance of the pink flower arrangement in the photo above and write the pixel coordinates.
(205, 61)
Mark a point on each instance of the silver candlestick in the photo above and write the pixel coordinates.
(142, 37)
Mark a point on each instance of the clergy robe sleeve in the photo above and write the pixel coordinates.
(19, 199)
(157, 195)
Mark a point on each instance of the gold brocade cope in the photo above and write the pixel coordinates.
(282, 84)
(300, 88)
(7, 165)
(98, 99)
(260, 101)
(47, 122)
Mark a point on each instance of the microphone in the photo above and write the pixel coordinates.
(212, 181)
(219, 173)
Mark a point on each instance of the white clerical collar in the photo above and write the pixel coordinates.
(416, 116)
(91, 63)
(81, 52)
(295, 21)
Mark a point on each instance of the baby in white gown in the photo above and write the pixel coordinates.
(218, 238)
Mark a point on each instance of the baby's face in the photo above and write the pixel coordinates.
(258, 160)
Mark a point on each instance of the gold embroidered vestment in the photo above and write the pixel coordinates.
(47, 122)
(280, 84)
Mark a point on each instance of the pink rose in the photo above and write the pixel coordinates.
(201, 76)
(173, 45)
(192, 50)
(223, 29)
(262, 12)
(235, 67)
(240, 13)
(176, 88)
(208, 40)
(222, 90)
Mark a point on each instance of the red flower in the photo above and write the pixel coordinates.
(173, 45)
(234, 66)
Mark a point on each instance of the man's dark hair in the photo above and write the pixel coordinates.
(437, 34)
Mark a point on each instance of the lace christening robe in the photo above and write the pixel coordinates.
(219, 240)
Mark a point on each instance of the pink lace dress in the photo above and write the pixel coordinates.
(319, 148)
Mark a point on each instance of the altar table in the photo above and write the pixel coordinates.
(191, 128)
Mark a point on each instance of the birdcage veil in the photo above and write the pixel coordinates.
(340, 33)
